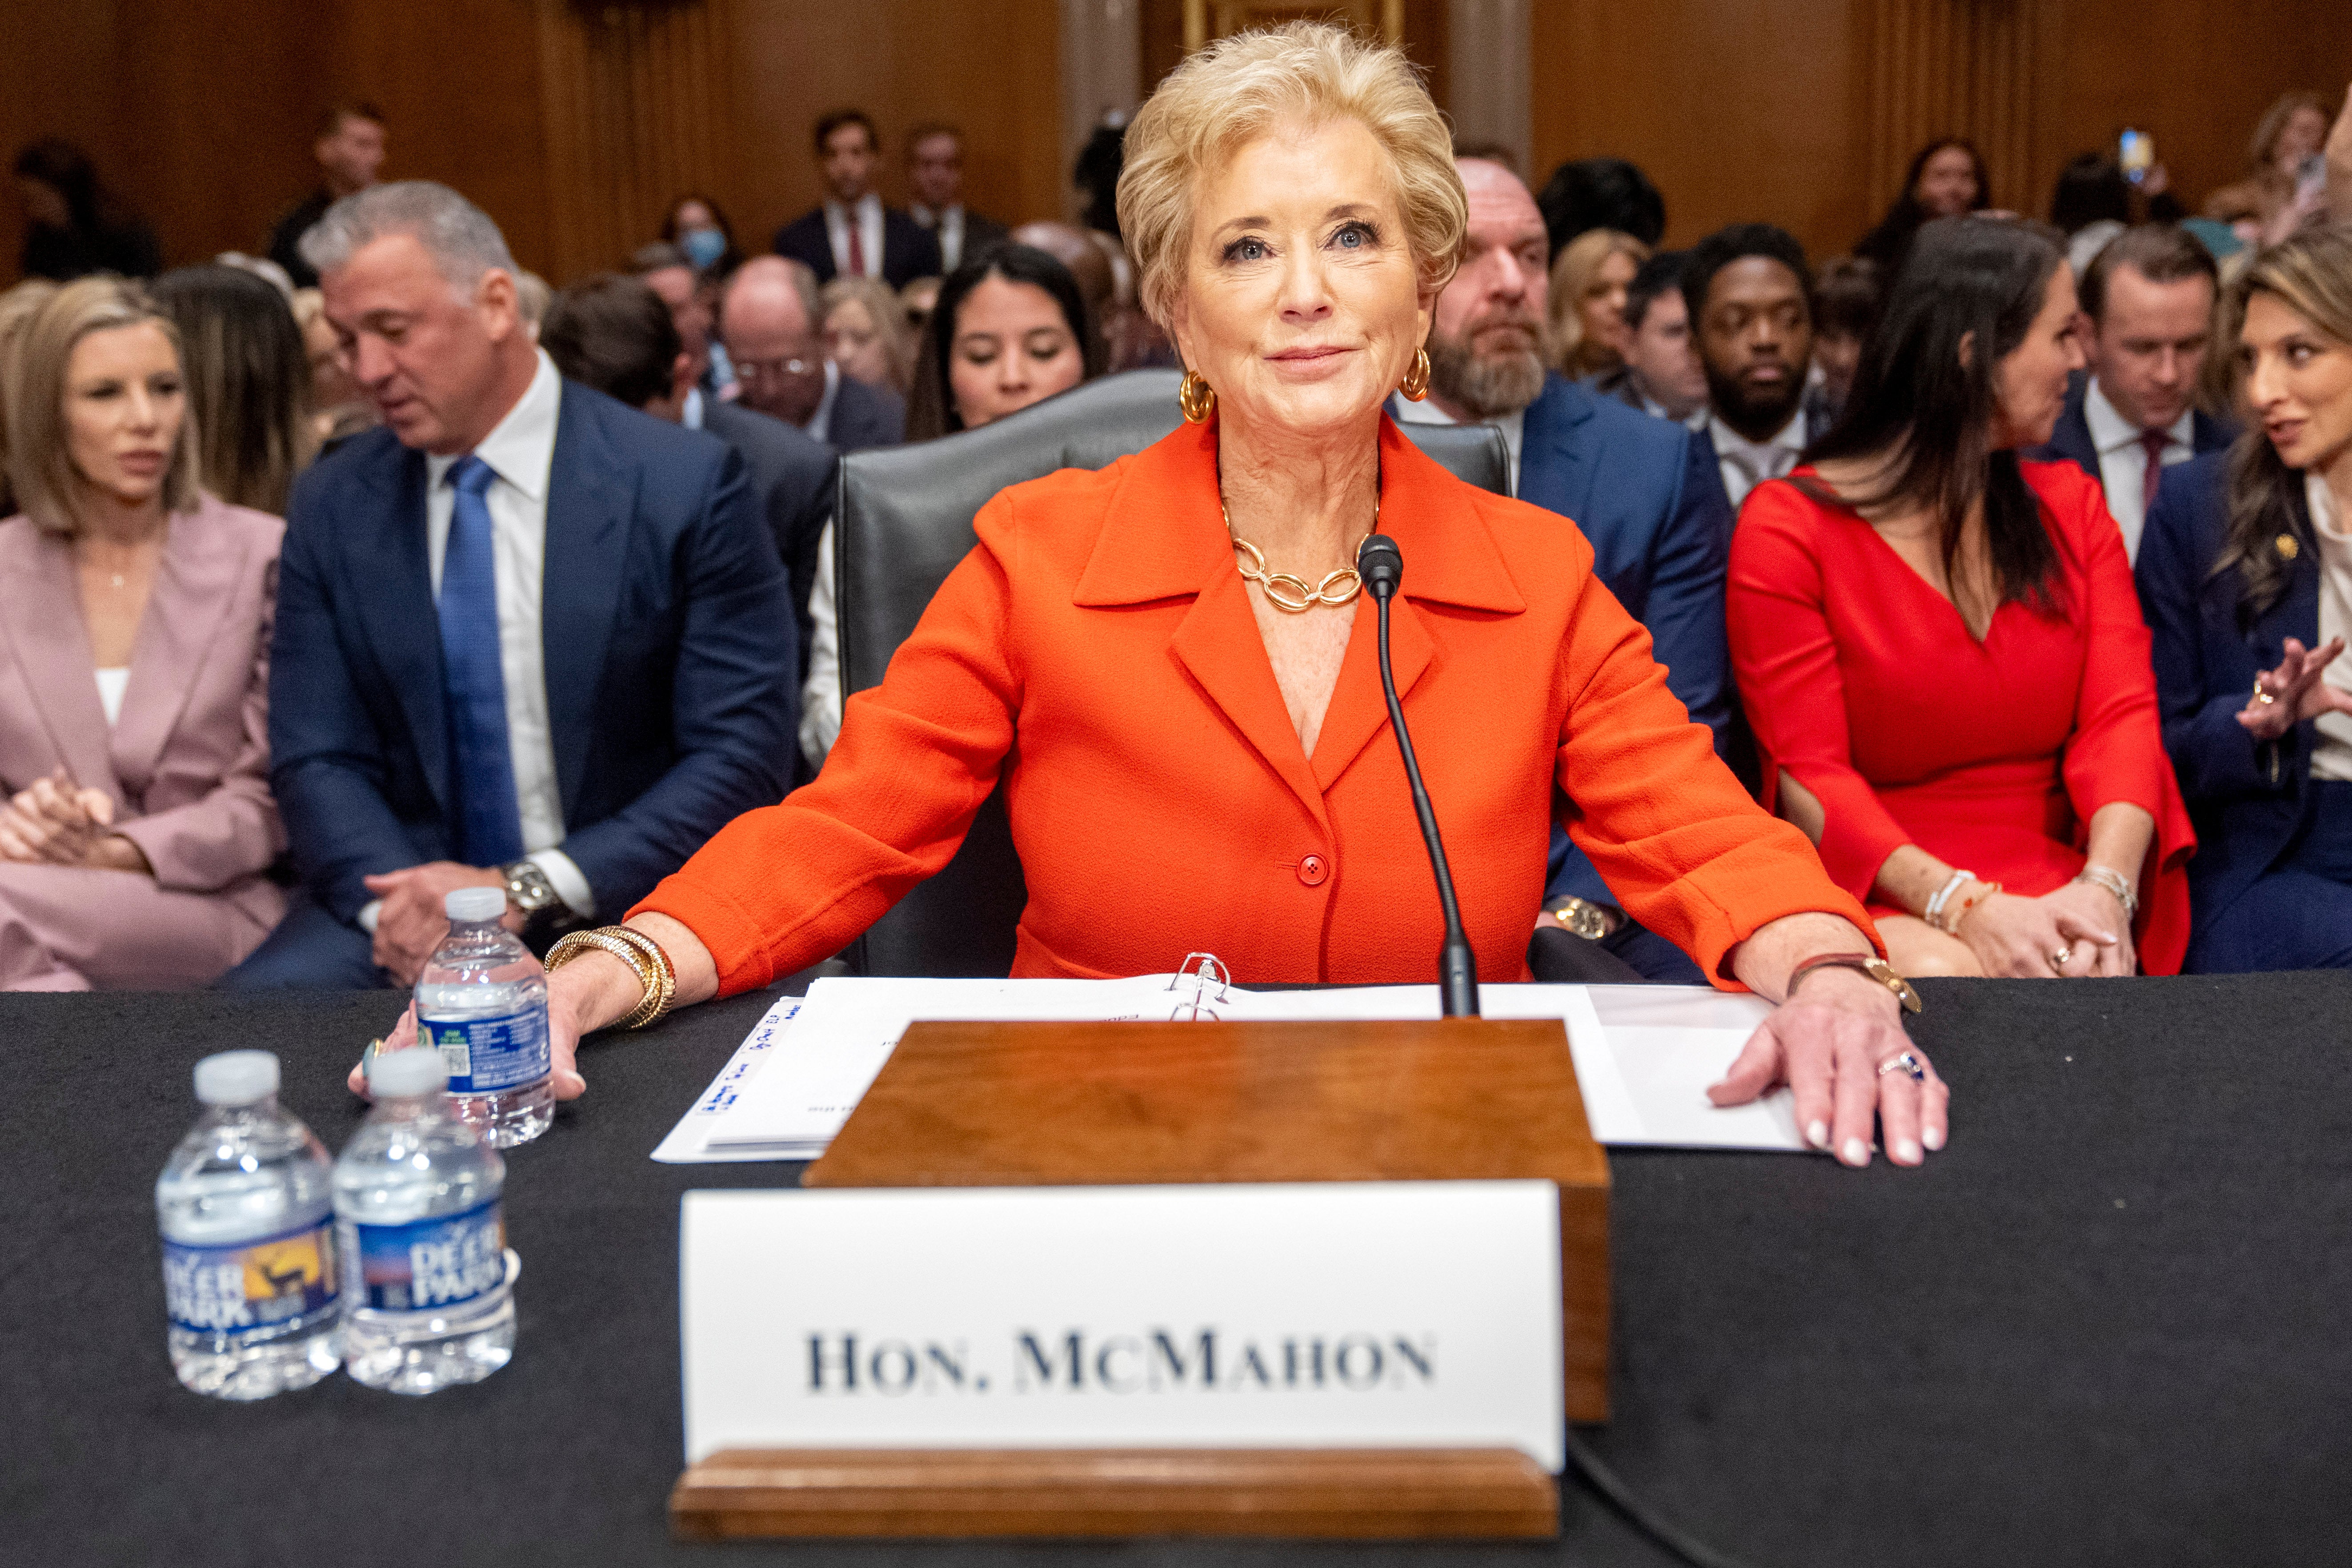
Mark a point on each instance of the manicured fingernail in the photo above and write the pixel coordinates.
(1933, 1137)
(1857, 1153)
(1817, 1134)
(1907, 1153)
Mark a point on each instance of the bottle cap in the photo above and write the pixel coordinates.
(404, 1075)
(237, 1077)
(474, 904)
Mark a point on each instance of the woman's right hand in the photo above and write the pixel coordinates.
(2017, 938)
(576, 1005)
(2295, 692)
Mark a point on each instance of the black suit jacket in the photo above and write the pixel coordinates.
(286, 239)
(909, 249)
(2071, 442)
(865, 416)
(793, 480)
(980, 235)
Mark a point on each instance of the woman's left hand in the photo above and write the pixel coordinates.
(54, 822)
(2088, 908)
(1828, 1044)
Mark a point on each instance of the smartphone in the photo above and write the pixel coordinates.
(2136, 150)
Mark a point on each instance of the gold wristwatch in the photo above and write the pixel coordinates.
(1583, 917)
(1869, 963)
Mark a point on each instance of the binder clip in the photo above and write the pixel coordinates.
(1202, 972)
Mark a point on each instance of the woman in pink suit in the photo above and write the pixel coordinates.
(134, 676)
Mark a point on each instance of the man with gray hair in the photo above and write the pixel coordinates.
(526, 637)
(774, 328)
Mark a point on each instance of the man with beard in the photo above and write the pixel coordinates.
(1642, 491)
(1750, 298)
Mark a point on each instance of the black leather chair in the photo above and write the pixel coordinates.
(905, 520)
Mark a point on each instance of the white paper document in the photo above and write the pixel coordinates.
(1643, 1054)
(1334, 1314)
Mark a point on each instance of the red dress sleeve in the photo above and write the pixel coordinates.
(1785, 658)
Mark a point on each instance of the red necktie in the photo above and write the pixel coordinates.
(856, 245)
(2154, 441)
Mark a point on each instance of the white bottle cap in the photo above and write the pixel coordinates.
(404, 1075)
(475, 903)
(237, 1077)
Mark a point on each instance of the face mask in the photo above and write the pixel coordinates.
(704, 246)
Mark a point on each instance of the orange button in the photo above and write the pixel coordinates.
(1312, 871)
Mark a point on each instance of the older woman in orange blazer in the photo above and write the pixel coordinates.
(1168, 714)
(134, 637)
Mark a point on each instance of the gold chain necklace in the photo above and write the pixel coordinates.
(1296, 595)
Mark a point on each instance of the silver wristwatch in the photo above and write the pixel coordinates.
(528, 891)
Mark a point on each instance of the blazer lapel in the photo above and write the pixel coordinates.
(195, 587)
(589, 497)
(45, 624)
(391, 591)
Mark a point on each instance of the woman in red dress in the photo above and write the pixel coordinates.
(1941, 651)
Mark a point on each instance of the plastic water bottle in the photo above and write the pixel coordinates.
(482, 1000)
(250, 1267)
(422, 1237)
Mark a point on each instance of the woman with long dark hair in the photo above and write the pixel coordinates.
(1947, 179)
(249, 381)
(1941, 649)
(2246, 571)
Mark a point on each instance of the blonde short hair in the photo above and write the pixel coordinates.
(883, 309)
(1572, 274)
(38, 459)
(1239, 87)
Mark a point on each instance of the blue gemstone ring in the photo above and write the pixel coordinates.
(1905, 1061)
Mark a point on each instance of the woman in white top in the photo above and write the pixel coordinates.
(2245, 573)
(134, 668)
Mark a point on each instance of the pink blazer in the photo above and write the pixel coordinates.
(187, 761)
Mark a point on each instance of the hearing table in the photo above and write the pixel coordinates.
(2108, 1325)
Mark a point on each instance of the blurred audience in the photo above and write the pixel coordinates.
(1847, 296)
(1749, 297)
(248, 383)
(339, 409)
(935, 174)
(432, 568)
(1661, 376)
(1945, 179)
(853, 234)
(772, 319)
(1941, 651)
(2245, 575)
(699, 227)
(2285, 151)
(2149, 297)
(1588, 300)
(1601, 193)
(531, 295)
(138, 828)
(1010, 330)
(73, 225)
(692, 295)
(18, 306)
(1642, 491)
(866, 333)
(916, 300)
(1075, 248)
(349, 148)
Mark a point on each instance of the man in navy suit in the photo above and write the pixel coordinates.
(1642, 491)
(526, 637)
(853, 232)
(2149, 297)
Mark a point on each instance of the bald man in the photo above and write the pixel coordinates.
(770, 322)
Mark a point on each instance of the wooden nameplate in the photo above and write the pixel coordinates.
(1357, 1494)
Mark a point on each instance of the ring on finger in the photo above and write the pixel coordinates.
(2061, 958)
(2260, 696)
(1904, 1062)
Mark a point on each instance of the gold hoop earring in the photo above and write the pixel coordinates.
(1196, 397)
(1415, 384)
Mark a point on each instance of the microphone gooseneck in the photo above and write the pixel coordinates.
(1380, 564)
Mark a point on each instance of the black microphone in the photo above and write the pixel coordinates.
(1380, 564)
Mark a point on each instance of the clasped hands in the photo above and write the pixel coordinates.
(55, 822)
(412, 921)
(2017, 938)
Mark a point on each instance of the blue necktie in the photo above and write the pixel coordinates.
(490, 827)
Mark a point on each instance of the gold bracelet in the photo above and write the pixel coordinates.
(668, 971)
(603, 941)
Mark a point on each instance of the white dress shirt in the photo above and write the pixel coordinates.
(947, 223)
(689, 413)
(520, 451)
(2331, 757)
(820, 425)
(1514, 425)
(820, 690)
(2123, 461)
(869, 217)
(1746, 463)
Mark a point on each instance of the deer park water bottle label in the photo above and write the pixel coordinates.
(485, 1055)
(253, 1287)
(428, 1265)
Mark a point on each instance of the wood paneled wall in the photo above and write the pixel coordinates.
(574, 122)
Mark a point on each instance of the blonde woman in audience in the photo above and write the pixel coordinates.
(865, 332)
(18, 306)
(1588, 281)
(249, 381)
(2289, 136)
(338, 411)
(134, 677)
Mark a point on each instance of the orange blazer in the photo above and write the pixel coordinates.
(1096, 649)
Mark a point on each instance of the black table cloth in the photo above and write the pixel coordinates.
(2108, 1325)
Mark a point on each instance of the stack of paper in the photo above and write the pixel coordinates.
(1643, 1054)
